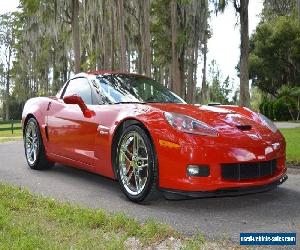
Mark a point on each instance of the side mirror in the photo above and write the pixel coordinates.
(75, 99)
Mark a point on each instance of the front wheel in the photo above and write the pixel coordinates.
(136, 164)
(34, 148)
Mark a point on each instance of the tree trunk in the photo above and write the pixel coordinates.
(175, 71)
(112, 36)
(195, 74)
(204, 87)
(105, 37)
(244, 71)
(55, 83)
(75, 34)
(7, 114)
(122, 35)
(181, 73)
(190, 76)
(146, 38)
(161, 78)
(7, 96)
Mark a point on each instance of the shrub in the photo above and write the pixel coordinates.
(283, 107)
(270, 109)
(266, 108)
(262, 108)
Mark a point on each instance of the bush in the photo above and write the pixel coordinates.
(262, 108)
(282, 108)
(270, 109)
(266, 108)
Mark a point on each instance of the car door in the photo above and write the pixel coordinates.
(70, 133)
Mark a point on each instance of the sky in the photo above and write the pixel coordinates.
(8, 5)
(224, 44)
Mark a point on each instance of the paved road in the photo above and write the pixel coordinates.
(274, 211)
(287, 124)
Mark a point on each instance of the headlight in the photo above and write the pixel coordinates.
(189, 125)
(268, 123)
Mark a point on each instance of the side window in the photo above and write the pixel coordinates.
(81, 87)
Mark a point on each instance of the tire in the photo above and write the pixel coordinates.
(34, 148)
(137, 176)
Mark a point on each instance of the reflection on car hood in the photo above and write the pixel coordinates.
(222, 118)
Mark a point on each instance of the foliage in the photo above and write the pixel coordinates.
(241, 8)
(285, 107)
(281, 110)
(109, 32)
(275, 54)
(7, 44)
(255, 98)
(291, 97)
(267, 108)
(275, 8)
(219, 89)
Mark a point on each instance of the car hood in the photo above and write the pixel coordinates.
(225, 120)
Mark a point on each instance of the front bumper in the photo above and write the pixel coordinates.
(175, 156)
(181, 195)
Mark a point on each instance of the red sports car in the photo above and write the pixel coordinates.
(130, 128)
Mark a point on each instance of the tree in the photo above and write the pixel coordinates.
(204, 51)
(179, 33)
(241, 7)
(145, 37)
(58, 38)
(291, 97)
(218, 88)
(176, 80)
(75, 33)
(120, 16)
(276, 8)
(275, 54)
(7, 43)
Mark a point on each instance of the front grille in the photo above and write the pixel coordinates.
(249, 170)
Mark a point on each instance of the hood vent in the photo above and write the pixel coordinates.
(244, 127)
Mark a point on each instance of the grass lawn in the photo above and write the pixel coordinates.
(31, 222)
(292, 137)
(7, 135)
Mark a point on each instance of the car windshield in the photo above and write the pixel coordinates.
(120, 88)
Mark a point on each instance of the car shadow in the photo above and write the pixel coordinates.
(269, 205)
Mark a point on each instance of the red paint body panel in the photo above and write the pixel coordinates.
(85, 142)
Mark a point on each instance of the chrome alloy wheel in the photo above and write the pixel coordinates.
(133, 163)
(31, 142)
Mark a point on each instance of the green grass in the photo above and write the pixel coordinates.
(31, 222)
(6, 133)
(292, 137)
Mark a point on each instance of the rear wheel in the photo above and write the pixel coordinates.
(136, 165)
(34, 148)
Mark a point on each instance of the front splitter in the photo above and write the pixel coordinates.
(170, 194)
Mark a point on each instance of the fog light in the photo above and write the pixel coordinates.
(198, 170)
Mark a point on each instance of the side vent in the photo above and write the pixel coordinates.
(46, 132)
